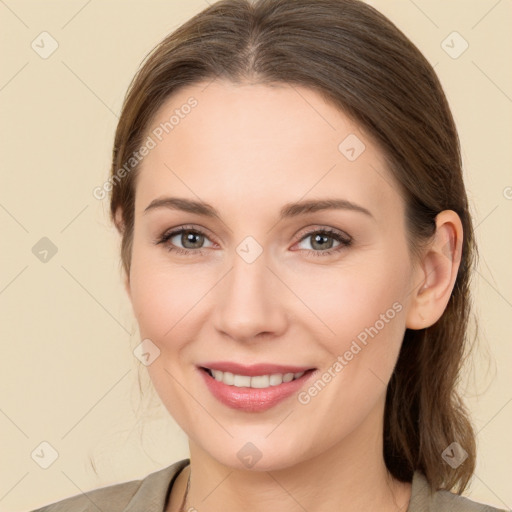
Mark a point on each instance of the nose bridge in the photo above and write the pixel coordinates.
(246, 301)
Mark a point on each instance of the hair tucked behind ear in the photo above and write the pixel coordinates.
(357, 59)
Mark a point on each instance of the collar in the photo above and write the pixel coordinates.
(421, 495)
(153, 492)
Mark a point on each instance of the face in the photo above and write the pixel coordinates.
(320, 290)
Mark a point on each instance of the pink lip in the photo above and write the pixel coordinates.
(254, 369)
(252, 399)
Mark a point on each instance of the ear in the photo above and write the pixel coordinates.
(436, 272)
(119, 223)
(118, 220)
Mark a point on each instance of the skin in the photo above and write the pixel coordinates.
(247, 150)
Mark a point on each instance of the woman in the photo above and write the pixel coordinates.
(297, 245)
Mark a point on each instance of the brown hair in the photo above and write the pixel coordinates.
(363, 64)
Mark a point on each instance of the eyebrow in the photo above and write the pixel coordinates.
(289, 210)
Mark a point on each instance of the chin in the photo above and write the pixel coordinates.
(257, 455)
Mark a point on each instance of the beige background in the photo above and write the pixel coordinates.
(68, 376)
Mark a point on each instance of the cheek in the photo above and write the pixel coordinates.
(162, 294)
(347, 302)
(362, 304)
(161, 300)
(364, 313)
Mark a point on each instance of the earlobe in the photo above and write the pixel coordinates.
(436, 272)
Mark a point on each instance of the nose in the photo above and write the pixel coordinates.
(250, 302)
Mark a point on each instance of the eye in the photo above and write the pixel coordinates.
(191, 239)
(322, 240)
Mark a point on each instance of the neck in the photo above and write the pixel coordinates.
(351, 476)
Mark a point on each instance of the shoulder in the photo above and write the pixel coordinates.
(444, 500)
(114, 498)
(148, 493)
(423, 500)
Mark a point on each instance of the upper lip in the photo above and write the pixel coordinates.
(254, 369)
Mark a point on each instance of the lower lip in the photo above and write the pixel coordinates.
(253, 399)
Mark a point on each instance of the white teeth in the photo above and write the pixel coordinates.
(259, 381)
(241, 381)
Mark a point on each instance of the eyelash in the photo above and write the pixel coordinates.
(345, 241)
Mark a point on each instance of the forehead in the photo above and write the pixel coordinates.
(260, 146)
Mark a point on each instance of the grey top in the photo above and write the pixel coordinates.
(151, 494)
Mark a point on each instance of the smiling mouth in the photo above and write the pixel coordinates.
(255, 381)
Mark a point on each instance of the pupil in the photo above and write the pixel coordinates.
(319, 238)
(189, 237)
